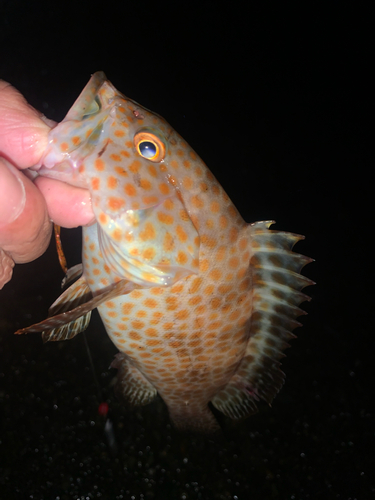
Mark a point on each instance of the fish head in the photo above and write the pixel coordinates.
(124, 154)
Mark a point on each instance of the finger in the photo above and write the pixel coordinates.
(24, 134)
(74, 207)
(25, 227)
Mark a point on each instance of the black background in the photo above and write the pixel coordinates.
(276, 100)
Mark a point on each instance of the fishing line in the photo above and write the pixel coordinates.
(103, 406)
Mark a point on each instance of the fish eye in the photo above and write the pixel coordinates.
(148, 149)
(149, 146)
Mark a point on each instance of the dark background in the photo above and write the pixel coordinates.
(276, 100)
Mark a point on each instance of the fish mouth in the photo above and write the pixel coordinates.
(63, 172)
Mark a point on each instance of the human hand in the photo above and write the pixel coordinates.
(27, 207)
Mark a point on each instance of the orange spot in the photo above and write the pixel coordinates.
(198, 172)
(125, 153)
(177, 288)
(150, 303)
(215, 207)
(179, 152)
(104, 281)
(64, 147)
(134, 336)
(193, 155)
(138, 325)
(204, 265)
(195, 300)
(195, 286)
(164, 188)
(137, 294)
(150, 200)
(76, 140)
(209, 290)
(186, 163)
(168, 326)
(119, 133)
(184, 216)
(95, 183)
(233, 262)
(151, 332)
(112, 314)
(215, 303)
(115, 203)
(181, 258)
(121, 171)
(220, 253)
(112, 182)
(165, 218)
(149, 253)
(148, 233)
(130, 189)
(88, 133)
(92, 247)
(208, 242)
(152, 170)
(174, 164)
(107, 269)
(184, 314)
(187, 182)
(117, 234)
(145, 184)
(232, 211)
(215, 274)
(197, 201)
(168, 204)
(210, 224)
(96, 271)
(223, 221)
(99, 165)
(95, 260)
(135, 166)
(157, 290)
(181, 235)
(152, 342)
(115, 157)
(127, 308)
(168, 243)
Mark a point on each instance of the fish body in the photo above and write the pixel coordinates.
(199, 303)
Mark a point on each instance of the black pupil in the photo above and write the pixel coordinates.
(147, 149)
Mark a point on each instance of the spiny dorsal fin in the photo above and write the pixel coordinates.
(277, 294)
(64, 325)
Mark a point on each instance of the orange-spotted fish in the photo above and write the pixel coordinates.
(200, 304)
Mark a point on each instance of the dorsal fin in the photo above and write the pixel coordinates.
(277, 294)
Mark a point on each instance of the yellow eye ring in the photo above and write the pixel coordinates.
(149, 146)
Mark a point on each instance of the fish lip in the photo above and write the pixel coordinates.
(63, 172)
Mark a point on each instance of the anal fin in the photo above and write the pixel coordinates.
(132, 385)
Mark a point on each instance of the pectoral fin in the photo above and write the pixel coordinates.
(70, 314)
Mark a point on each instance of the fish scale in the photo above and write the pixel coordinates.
(199, 303)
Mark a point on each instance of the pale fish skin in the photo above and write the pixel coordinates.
(199, 303)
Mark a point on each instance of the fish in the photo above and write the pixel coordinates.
(200, 304)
